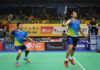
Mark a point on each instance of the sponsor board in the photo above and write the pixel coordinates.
(8, 46)
(55, 46)
(0, 46)
(82, 46)
(35, 46)
(46, 29)
(38, 46)
(59, 29)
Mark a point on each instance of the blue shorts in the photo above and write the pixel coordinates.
(20, 47)
(72, 40)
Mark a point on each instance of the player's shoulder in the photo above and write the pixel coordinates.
(69, 20)
(78, 21)
(24, 31)
(14, 30)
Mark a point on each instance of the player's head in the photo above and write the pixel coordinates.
(64, 31)
(19, 26)
(73, 14)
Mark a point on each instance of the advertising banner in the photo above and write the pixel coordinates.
(8, 46)
(99, 31)
(0, 46)
(59, 29)
(12, 27)
(35, 46)
(82, 46)
(55, 40)
(46, 29)
(55, 46)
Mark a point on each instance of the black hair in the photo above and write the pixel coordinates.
(72, 12)
(18, 24)
(64, 31)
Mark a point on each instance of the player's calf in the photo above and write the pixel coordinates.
(17, 58)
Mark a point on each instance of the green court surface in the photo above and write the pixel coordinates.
(51, 61)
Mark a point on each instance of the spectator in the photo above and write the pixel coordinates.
(94, 29)
(64, 37)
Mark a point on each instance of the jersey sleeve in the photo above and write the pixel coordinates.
(26, 35)
(13, 32)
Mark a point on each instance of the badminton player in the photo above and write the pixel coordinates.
(19, 36)
(72, 37)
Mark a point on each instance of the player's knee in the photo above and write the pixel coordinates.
(70, 47)
(19, 52)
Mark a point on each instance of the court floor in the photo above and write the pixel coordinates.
(50, 61)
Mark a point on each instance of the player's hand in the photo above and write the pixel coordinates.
(25, 38)
(32, 41)
(63, 25)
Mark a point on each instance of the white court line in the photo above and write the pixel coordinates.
(79, 63)
(2, 54)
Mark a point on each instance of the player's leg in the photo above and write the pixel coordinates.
(75, 40)
(72, 52)
(73, 49)
(70, 46)
(71, 56)
(17, 57)
(26, 53)
(67, 54)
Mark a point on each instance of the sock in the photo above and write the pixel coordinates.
(66, 59)
(71, 57)
(25, 58)
(16, 61)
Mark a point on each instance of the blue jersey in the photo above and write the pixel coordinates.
(73, 28)
(19, 37)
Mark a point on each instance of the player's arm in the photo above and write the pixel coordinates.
(81, 31)
(68, 22)
(11, 33)
(30, 39)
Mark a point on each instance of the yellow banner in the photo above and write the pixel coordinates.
(99, 31)
(46, 29)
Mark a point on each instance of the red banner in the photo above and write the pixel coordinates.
(46, 30)
(0, 46)
(35, 46)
